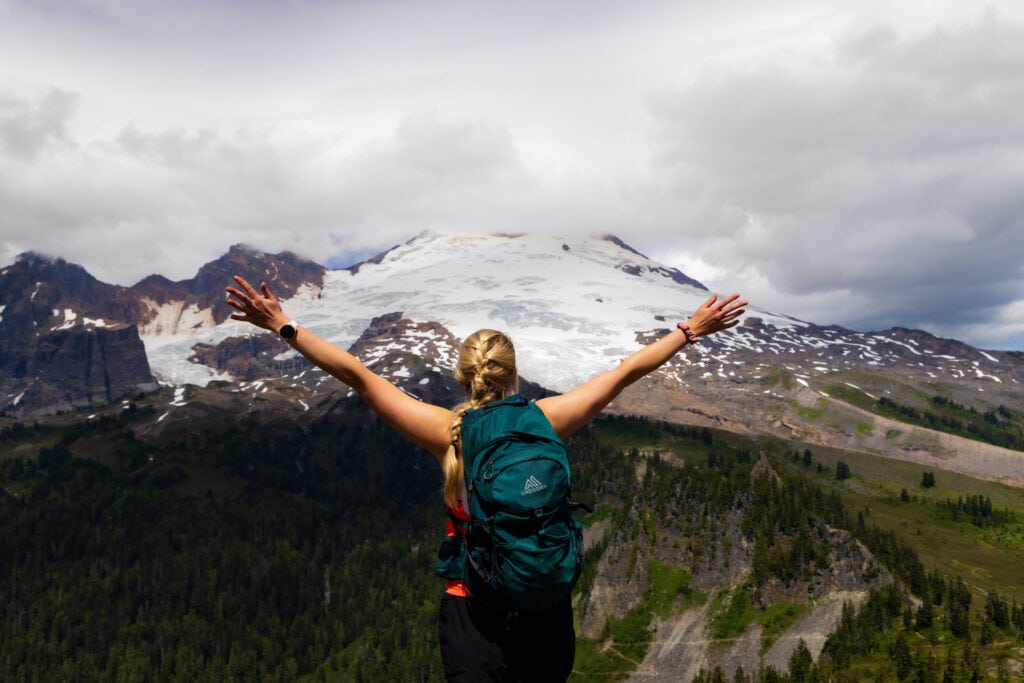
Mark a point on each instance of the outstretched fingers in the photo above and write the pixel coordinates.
(266, 292)
(249, 289)
(256, 307)
(715, 314)
(710, 302)
(243, 297)
(731, 310)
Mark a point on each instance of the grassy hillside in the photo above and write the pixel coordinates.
(889, 493)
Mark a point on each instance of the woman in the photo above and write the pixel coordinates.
(476, 644)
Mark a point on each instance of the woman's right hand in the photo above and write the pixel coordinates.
(261, 309)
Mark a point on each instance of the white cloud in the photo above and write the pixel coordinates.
(856, 164)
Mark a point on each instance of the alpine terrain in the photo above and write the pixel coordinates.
(750, 494)
(573, 308)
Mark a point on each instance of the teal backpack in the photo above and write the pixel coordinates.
(521, 549)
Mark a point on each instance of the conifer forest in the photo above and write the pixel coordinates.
(266, 550)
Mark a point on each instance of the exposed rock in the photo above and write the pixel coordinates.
(250, 358)
(680, 648)
(75, 368)
(203, 295)
(813, 628)
(720, 561)
(66, 339)
(621, 579)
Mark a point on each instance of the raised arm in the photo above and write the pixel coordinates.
(570, 411)
(424, 424)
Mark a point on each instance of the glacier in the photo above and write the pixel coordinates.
(573, 307)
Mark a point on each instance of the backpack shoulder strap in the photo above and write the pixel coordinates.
(484, 423)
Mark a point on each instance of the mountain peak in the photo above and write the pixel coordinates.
(622, 256)
(35, 259)
(573, 302)
(243, 249)
(36, 262)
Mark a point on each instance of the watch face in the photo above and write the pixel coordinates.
(287, 331)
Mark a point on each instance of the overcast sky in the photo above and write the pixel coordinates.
(841, 162)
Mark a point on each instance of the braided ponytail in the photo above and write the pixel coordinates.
(451, 464)
(486, 369)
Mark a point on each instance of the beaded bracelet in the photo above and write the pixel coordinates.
(691, 336)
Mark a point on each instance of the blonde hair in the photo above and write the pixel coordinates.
(486, 369)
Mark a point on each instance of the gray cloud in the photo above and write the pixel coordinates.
(26, 127)
(171, 199)
(890, 177)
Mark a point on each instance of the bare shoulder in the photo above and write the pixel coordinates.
(557, 409)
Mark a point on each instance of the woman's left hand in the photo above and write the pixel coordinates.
(715, 316)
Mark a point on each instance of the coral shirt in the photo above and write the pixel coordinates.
(454, 586)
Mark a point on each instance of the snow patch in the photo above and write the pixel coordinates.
(982, 375)
(69, 319)
(903, 344)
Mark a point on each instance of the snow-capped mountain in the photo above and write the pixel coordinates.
(574, 307)
(570, 306)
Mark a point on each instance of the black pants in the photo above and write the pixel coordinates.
(479, 645)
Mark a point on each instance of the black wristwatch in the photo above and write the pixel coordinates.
(288, 330)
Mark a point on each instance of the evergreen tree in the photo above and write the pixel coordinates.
(971, 667)
(924, 618)
(951, 672)
(800, 663)
(936, 587)
(958, 609)
(987, 634)
(842, 470)
(997, 611)
(899, 652)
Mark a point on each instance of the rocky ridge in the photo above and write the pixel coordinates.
(573, 307)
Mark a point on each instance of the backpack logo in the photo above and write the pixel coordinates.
(532, 485)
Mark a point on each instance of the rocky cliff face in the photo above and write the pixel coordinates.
(75, 368)
(712, 544)
(66, 339)
(198, 303)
